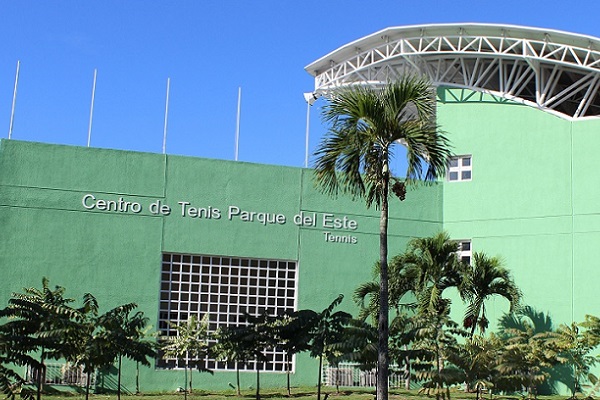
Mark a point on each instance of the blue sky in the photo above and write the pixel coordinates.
(208, 49)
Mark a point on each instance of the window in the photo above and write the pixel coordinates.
(459, 168)
(464, 251)
(225, 288)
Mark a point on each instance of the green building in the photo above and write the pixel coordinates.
(183, 236)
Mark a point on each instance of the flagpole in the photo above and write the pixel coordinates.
(308, 105)
(14, 100)
(164, 146)
(310, 99)
(237, 124)
(89, 138)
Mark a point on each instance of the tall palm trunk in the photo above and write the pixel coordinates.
(439, 363)
(87, 386)
(287, 371)
(320, 375)
(137, 377)
(237, 378)
(383, 323)
(258, 367)
(119, 378)
(185, 389)
(473, 329)
(407, 371)
(475, 321)
(41, 378)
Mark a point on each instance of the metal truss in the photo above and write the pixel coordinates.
(555, 71)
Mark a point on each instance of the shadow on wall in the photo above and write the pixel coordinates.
(106, 382)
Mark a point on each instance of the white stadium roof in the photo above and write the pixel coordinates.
(556, 71)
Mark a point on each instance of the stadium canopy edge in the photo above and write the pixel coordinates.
(555, 71)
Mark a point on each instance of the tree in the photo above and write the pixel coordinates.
(90, 350)
(293, 332)
(358, 344)
(401, 281)
(41, 321)
(434, 343)
(365, 126)
(125, 335)
(328, 330)
(11, 382)
(431, 266)
(189, 346)
(229, 347)
(485, 278)
(257, 335)
(477, 357)
(528, 352)
(575, 342)
(427, 268)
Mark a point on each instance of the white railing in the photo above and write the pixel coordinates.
(349, 374)
(61, 374)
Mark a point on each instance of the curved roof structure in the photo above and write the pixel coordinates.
(552, 70)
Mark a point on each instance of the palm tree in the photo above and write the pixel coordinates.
(365, 126)
(433, 266)
(428, 267)
(486, 278)
(400, 282)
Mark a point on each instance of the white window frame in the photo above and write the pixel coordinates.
(460, 166)
(465, 250)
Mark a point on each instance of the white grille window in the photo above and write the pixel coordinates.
(464, 251)
(225, 288)
(460, 168)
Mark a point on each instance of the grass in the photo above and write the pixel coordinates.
(302, 393)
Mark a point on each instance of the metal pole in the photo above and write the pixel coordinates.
(164, 147)
(14, 101)
(308, 105)
(237, 124)
(92, 108)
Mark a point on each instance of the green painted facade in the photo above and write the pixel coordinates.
(50, 229)
(532, 200)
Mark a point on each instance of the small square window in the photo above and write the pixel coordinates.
(460, 168)
(464, 251)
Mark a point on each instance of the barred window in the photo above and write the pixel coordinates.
(225, 288)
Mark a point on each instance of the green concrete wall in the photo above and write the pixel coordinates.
(48, 231)
(532, 199)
